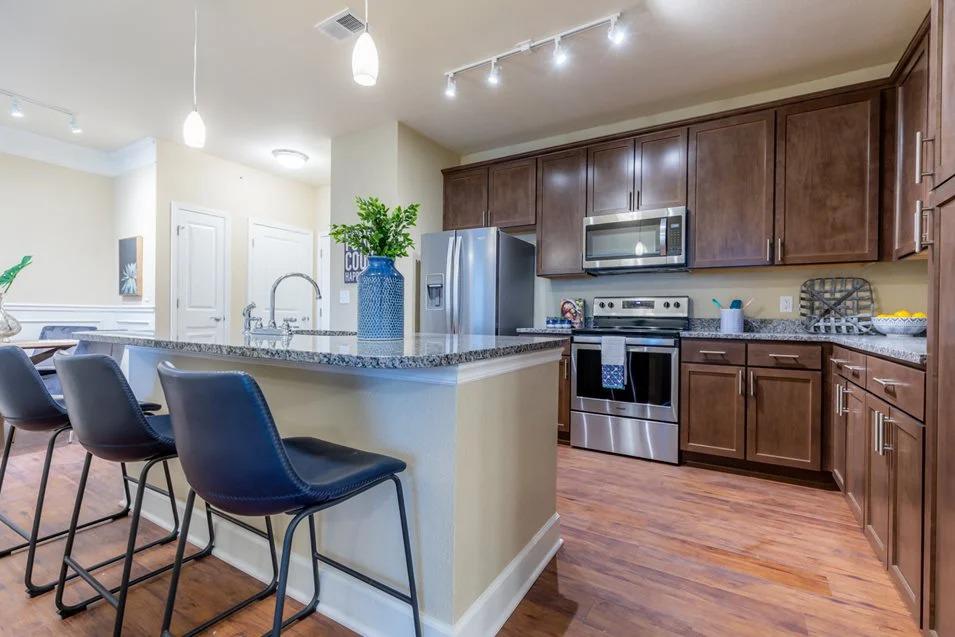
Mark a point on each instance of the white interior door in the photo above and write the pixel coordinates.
(274, 250)
(201, 276)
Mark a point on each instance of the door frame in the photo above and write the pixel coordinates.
(175, 208)
(323, 268)
(262, 221)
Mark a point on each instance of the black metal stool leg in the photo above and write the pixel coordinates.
(177, 565)
(7, 446)
(71, 535)
(277, 624)
(413, 591)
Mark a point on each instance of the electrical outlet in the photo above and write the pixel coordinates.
(785, 304)
(344, 297)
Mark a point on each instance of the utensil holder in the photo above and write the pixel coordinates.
(731, 321)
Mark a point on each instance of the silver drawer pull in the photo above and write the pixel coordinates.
(712, 352)
(886, 382)
(788, 356)
(854, 368)
(838, 361)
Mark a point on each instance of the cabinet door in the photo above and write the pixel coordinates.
(857, 450)
(906, 440)
(837, 433)
(561, 202)
(730, 191)
(610, 179)
(827, 179)
(465, 199)
(713, 410)
(660, 169)
(942, 84)
(784, 418)
(911, 120)
(512, 193)
(878, 479)
(563, 399)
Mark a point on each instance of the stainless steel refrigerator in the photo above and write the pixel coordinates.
(478, 281)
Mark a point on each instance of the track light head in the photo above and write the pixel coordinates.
(560, 55)
(494, 76)
(74, 126)
(451, 90)
(616, 33)
(15, 110)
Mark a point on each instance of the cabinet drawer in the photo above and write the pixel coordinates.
(897, 384)
(717, 352)
(848, 364)
(784, 355)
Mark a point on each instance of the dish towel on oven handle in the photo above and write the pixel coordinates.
(613, 368)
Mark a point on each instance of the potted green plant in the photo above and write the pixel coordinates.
(382, 235)
(9, 326)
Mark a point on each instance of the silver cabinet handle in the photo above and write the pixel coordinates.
(886, 382)
(886, 447)
(752, 384)
(739, 383)
(838, 362)
(918, 157)
(484, 218)
(875, 431)
(712, 352)
(769, 250)
(566, 365)
(636, 199)
(918, 223)
(787, 356)
(839, 389)
(779, 249)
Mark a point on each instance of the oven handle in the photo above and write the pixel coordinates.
(630, 348)
(595, 340)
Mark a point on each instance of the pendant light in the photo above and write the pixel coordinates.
(364, 58)
(193, 129)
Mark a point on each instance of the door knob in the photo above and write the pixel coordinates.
(218, 319)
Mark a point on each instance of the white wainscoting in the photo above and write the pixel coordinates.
(33, 316)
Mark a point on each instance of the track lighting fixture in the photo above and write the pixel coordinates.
(615, 34)
(15, 110)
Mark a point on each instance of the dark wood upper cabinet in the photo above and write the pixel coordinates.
(827, 179)
(512, 193)
(942, 84)
(465, 199)
(878, 480)
(713, 408)
(660, 169)
(784, 418)
(561, 205)
(906, 439)
(911, 125)
(730, 191)
(857, 440)
(610, 178)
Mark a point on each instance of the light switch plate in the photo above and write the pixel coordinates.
(785, 304)
(344, 297)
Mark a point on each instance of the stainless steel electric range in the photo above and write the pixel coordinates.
(642, 419)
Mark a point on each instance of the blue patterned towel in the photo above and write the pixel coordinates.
(613, 369)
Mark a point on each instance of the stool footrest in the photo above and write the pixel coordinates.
(364, 578)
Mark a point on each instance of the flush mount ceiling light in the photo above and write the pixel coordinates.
(615, 34)
(364, 57)
(292, 159)
(194, 129)
(16, 109)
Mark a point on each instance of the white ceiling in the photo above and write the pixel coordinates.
(268, 79)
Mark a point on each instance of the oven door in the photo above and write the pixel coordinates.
(645, 238)
(652, 388)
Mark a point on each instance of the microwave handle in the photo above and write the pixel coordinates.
(663, 236)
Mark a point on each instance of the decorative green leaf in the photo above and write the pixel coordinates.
(10, 274)
(380, 232)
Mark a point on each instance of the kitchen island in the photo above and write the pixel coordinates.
(472, 416)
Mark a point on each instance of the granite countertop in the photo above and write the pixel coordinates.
(344, 349)
(552, 331)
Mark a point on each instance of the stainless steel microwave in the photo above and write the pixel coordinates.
(636, 240)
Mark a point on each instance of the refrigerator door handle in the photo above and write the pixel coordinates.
(449, 284)
(456, 316)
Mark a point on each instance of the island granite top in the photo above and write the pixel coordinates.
(344, 349)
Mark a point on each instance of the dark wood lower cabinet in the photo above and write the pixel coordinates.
(784, 417)
(837, 433)
(853, 400)
(713, 408)
(907, 448)
(878, 480)
(563, 399)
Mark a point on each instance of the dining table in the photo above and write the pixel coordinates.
(43, 350)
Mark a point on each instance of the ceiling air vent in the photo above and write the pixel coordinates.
(342, 25)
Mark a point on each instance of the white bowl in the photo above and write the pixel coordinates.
(896, 326)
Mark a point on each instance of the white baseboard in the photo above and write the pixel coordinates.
(358, 606)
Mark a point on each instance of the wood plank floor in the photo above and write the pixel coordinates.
(649, 549)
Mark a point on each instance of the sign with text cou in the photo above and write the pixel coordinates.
(355, 262)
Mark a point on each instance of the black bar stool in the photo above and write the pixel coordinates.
(233, 457)
(110, 424)
(26, 404)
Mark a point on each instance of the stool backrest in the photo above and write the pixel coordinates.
(227, 442)
(24, 399)
(105, 414)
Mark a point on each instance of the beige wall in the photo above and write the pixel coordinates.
(844, 79)
(64, 218)
(134, 214)
(191, 176)
(323, 208)
(400, 167)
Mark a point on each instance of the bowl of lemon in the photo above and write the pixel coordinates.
(901, 323)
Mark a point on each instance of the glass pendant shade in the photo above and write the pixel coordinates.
(194, 130)
(364, 60)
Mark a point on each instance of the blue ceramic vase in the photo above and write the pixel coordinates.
(381, 301)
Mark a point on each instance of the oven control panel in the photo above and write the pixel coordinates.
(642, 306)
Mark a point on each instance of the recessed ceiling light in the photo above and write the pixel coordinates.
(290, 158)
